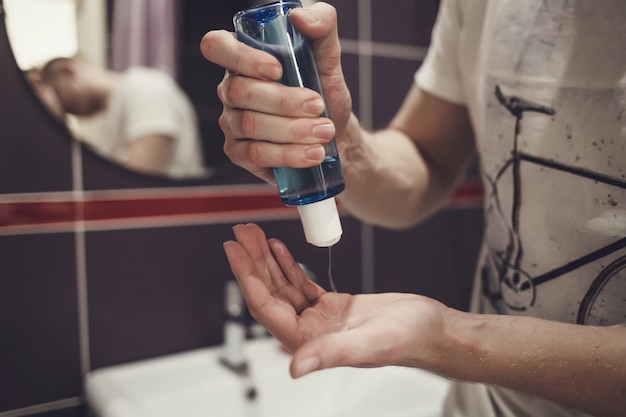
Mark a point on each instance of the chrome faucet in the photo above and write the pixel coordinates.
(233, 356)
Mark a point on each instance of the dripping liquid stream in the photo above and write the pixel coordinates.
(330, 270)
(333, 287)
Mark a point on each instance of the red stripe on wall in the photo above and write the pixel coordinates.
(166, 206)
(176, 206)
(34, 213)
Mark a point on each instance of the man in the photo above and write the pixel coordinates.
(528, 86)
(148, 123)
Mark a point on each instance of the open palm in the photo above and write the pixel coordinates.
(336, 329)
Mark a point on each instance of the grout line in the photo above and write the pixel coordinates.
(365, 64)
(366, 113)
(164, 221)
(42, 408)
(81, 289)
(383, 50)
(77, 169)
(81, 259)
(139, 193)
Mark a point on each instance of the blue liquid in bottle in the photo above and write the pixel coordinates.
(269, 29)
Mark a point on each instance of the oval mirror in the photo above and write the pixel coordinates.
(124, 98)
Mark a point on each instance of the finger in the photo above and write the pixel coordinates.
(278, 317)
(269, 97)
(277, 129)
(253, 239)
(294, 271)
(223, 48)
(250, 279)
(358, 348)
(279, 282)
(255, 154)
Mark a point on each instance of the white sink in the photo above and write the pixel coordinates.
(195, 384)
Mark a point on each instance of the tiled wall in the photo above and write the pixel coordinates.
(383, 45)
(100, 266)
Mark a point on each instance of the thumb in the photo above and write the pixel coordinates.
(319, 24)
(315, 22)
(351, 348)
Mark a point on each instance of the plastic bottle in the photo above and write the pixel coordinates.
(312, 190)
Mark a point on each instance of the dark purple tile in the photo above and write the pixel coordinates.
(347, 17)
(35, 149)
(202, 16)
(406, 22)
(39, 353)
(155, 291)
(435, 259)
(392, 80)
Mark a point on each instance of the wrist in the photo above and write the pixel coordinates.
(458, 346)
(352, 145)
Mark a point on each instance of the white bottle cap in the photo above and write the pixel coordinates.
(321, 223)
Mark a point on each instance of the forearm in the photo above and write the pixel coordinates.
(398, 176)
(583, 367)
(388, 181)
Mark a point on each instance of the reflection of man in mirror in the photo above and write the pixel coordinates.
(148, 123)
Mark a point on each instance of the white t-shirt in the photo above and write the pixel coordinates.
(148, 101)
(545, 85)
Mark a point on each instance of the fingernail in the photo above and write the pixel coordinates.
(325, 131)
(269, 71)
(306, 366)
(278, 248)
(314, 106)
(315, 153)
